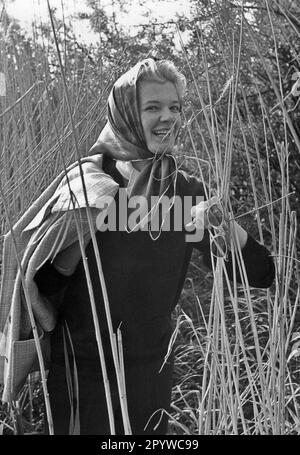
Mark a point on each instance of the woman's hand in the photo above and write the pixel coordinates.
(216, 220)
(199, 213)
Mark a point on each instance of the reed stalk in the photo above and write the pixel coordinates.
(31, 317)
(98, 261)
(266, 383)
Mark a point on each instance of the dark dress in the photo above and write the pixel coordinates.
(144, 279)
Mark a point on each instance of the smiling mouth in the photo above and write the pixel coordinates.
(162, 133)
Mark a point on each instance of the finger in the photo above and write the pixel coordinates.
(213, 200)
(199, 223)
(200, 218)
(202, 206)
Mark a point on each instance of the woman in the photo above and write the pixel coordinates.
(144, 268)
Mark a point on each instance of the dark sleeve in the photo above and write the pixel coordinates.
(259, 264)
(49, 281)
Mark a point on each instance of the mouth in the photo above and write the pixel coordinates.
(161, 133)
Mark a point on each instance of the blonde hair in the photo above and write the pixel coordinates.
(162, 71)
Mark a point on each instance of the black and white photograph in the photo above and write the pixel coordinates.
(149, 207)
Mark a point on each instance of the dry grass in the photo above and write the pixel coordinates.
(237, 349)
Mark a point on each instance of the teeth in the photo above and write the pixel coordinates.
(161, 133)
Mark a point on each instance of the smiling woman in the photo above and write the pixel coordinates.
(142, 275)
(160, 115)
(160, 98)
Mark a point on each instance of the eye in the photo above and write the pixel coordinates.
(151, 108)
(175, 108)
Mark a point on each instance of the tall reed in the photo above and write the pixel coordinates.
(242, 338)
(45, 113)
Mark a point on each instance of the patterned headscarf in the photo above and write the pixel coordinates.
(122, 138)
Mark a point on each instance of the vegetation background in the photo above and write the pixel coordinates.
(237, 349)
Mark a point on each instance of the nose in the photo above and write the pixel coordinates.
(166, 115)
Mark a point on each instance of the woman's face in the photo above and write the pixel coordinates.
(160, 115)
